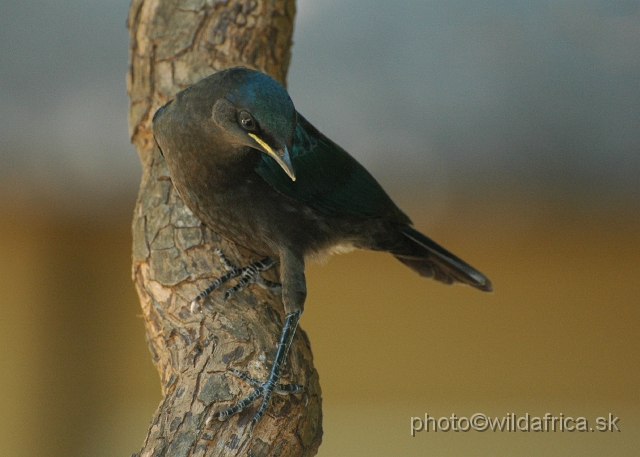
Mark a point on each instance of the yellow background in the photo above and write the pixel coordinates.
(510, 133)
(558, 335)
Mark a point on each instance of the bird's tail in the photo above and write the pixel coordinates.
(431, 260)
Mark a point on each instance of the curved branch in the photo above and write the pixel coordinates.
(174, 43)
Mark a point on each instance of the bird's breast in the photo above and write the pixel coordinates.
(242, 207)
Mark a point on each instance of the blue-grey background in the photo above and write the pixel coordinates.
(508, 130)
(420, 91)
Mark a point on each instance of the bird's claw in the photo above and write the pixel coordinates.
(262, 389)
(281, 389)
(274, 287)
(195, 306)
(248, 275)
(265, 389)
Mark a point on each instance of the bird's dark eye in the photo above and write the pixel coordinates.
(247, 121)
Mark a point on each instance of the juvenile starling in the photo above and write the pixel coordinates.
(258, 173)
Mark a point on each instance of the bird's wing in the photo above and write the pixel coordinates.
(328, 179)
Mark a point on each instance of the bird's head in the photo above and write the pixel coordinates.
(255, 110)
(237, 107)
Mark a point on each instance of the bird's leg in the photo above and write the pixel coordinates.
(249, 274)
(265, 389)
(281, 389)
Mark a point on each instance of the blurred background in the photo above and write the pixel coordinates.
(508, 130)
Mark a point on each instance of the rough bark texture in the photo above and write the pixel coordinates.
(173, 44)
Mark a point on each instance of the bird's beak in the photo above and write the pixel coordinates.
(281, 156)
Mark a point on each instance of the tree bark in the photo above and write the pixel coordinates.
(174, 43)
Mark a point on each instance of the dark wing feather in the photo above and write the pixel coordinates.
(430, 259)
(328, 179)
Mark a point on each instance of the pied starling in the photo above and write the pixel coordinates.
(259, 174)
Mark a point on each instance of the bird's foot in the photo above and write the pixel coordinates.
(281, 389)
(272, 384)
(262, 389)
(248, 275)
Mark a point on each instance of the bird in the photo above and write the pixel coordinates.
(256, 172)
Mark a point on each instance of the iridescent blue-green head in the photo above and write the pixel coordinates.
(239, 107)
(255, 110)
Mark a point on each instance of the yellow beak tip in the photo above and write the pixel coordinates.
(279, 156)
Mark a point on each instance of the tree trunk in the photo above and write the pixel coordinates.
(173, 44)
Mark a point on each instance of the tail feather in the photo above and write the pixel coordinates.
(431, 260)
